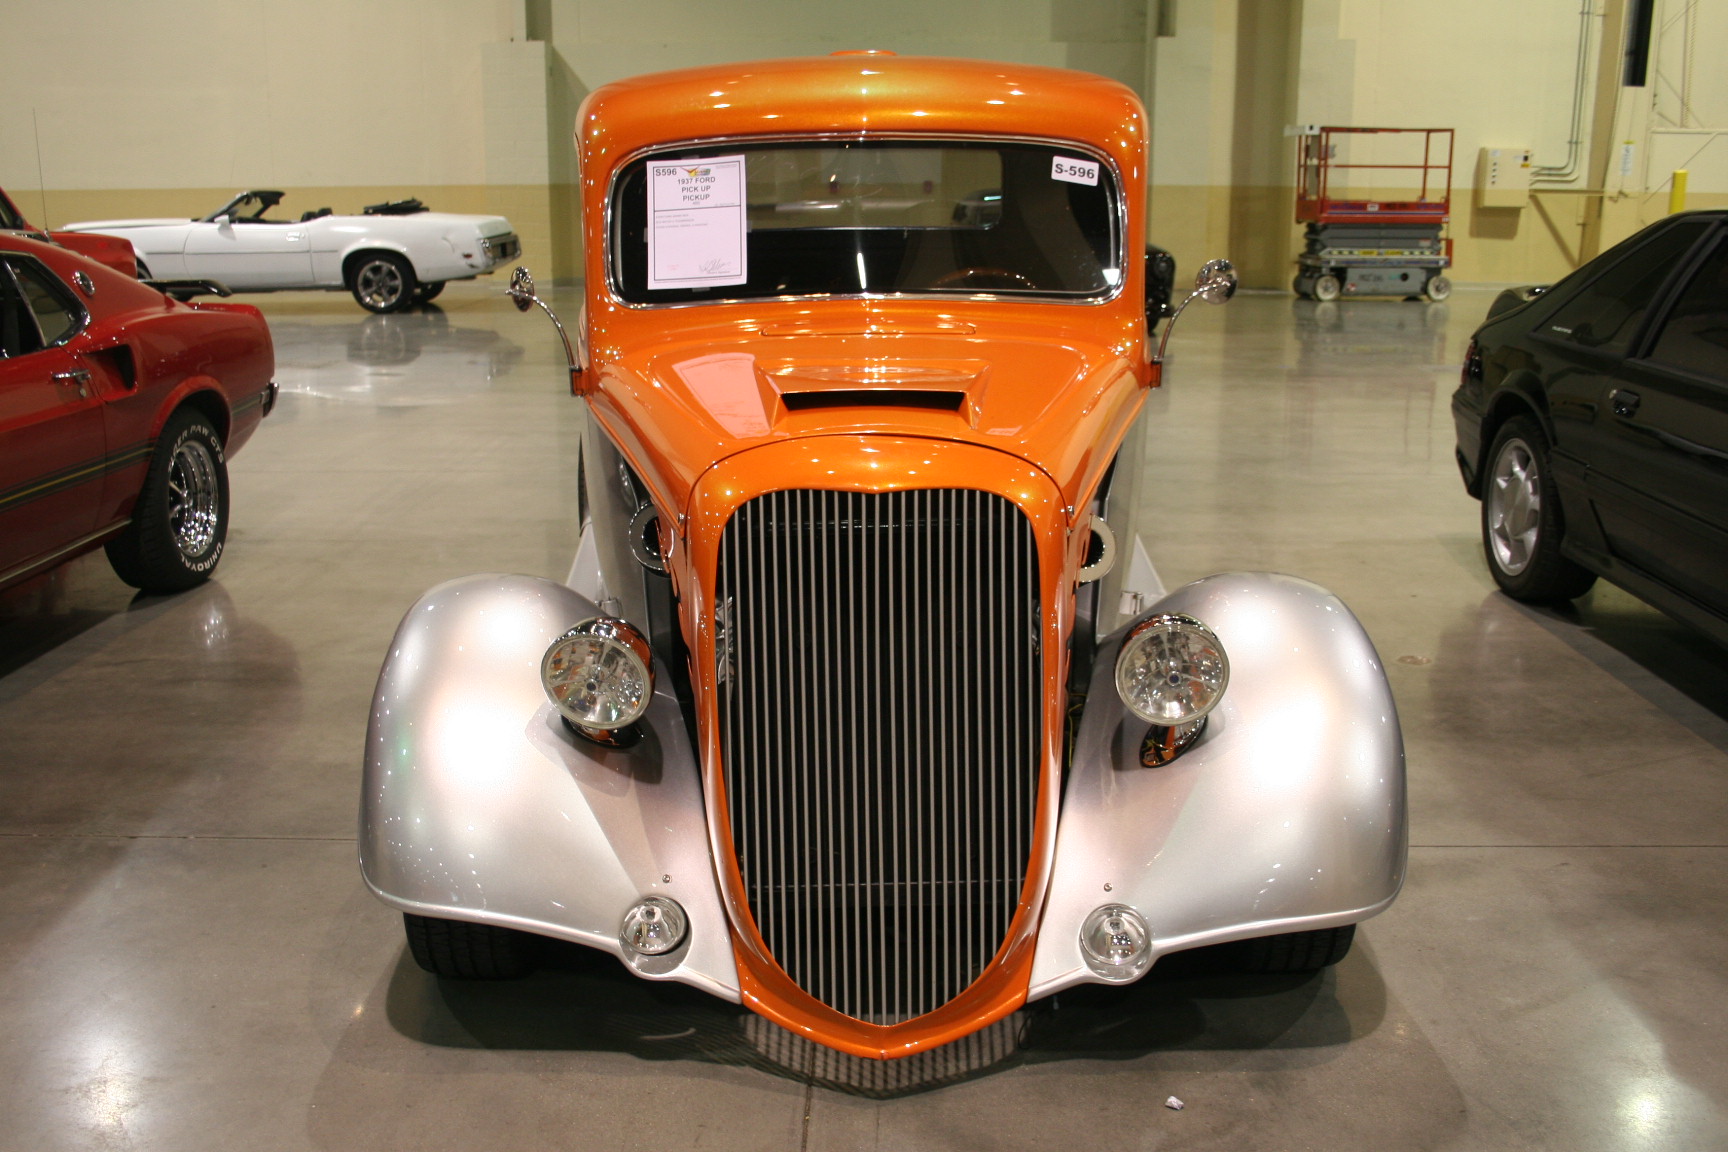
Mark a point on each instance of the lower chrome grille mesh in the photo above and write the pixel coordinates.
(881, 723)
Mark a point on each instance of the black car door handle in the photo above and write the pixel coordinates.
(1624, 401)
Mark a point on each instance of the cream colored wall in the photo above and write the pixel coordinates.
(140, 107)
(1506, 75)
(125, 108)
(232, 93)
(603, 40)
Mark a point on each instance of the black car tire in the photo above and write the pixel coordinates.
(180, 522)
(1292, 953)
(464, 951)
(1327, 287)
(383, 282)
(1521, 520)
(427, 292)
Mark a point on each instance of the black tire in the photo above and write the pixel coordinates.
(1293, 953)
(1522, 524)
(464, 951)
(143, 270)
(428, 292)
(382, 282)
(180, 522)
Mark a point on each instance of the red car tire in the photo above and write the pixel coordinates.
(180, 522)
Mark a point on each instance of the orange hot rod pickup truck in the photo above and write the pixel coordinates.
(861, 704)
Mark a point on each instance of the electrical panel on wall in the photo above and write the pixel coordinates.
(1503, 178)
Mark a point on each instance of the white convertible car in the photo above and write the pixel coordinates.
(391, 256)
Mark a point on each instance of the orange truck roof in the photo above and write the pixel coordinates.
(856, 93)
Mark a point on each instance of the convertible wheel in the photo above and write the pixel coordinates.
(467, 951)
(383, 282)
(1295, 952)
(1521, 525)
(181, 519)
(428, 291)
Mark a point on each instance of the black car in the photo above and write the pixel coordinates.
(1160, 282)
(1593, 425)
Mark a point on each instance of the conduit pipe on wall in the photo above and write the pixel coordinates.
(1568, 172)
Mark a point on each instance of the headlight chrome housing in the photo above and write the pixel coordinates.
(1117, 943)
(600, 677)
(1172, 670)
(654, 926)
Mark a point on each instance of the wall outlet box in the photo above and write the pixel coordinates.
(1503, 178)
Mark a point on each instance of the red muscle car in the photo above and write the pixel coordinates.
(118, 409)
(113, 251)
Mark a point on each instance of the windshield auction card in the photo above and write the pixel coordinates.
(696, 225)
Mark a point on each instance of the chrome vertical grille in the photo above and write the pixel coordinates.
(881, 723)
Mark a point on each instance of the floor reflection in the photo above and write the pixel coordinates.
(398, 359)
(1401, 333)
(46, 611)
(585, 1001)
(1680, 655)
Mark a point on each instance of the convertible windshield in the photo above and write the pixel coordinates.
(865, 217)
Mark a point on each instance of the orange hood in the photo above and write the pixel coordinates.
(1015, 378)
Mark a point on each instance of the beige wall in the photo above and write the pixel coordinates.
(139, 107)
(1500, 74)
(128, 108)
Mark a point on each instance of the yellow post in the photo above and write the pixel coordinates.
(1677, 192)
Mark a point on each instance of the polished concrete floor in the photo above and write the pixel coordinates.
(188, 959)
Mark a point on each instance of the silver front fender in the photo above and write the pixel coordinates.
(479, 804)
(1287, 814)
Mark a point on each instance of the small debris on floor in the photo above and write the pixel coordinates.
(1173, 1104)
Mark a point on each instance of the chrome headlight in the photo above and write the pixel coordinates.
(1172, 670)
(653, 926)
(1117, 942)
(599, 674)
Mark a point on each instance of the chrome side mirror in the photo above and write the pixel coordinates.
(1216, 281)
(522, 294)
(1215, 284)
(521, 289)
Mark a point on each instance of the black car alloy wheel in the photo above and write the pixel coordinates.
(1521, 521)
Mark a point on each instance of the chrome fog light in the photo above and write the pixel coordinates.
(599, 675)
(1117, 942)
(654, 926)
(1172, 670)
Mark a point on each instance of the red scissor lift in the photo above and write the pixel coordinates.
(1374, 247)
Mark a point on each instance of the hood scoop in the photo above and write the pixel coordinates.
(933, 386)
(935, 399)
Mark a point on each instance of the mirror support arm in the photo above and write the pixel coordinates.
(1215, 284)
(569, 352)
(1158, 357)
(522, 294)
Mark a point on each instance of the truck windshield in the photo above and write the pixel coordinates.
(865, 218)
